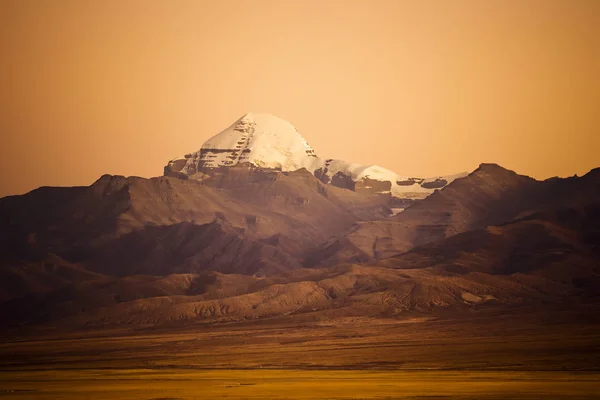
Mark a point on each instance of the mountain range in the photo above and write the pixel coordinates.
(255, 225)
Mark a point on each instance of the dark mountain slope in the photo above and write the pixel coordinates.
(555, 246)
(21, 278)
(490, 195)
(280, 214)
(187, 248)
(548, 259)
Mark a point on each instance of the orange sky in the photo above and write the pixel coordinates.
(420, 87)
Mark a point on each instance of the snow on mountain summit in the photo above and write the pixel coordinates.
(263, 140)
(267, 141)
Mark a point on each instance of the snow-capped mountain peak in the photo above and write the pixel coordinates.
(266, 141)
(263, 140)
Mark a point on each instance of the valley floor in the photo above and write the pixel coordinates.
(484, 355)
(177, 384)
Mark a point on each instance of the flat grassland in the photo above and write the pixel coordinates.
(481, 356)
(178, 384)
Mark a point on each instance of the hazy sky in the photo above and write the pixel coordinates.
(420, 87)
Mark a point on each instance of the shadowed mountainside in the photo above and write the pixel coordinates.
(123, 225)
(490, 195)
(547, 258)
(134, 252)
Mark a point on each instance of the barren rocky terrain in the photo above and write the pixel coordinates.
(492, 284)
(246, 244)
